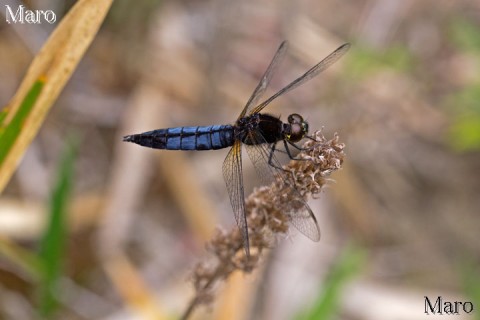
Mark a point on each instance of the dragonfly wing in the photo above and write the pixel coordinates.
(296, 208)
(302, 217)
(232, 174)
(259, 154)
(267, 76)
(310, 74)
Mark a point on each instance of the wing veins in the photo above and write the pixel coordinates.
(232, 174)
(307, 76)
(266, 78)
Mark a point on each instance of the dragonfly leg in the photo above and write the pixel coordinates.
(296, 147)
(272, 163)
(287, 151)
(270, 157)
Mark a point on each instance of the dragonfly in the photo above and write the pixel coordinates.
(259, 133)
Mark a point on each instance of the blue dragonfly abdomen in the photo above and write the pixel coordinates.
(186, 138)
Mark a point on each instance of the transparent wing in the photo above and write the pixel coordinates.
(300, 214)
(259, 154)
(267, 76)
(310, 74)
(232, 173)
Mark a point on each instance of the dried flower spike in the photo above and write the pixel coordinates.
(266, 214)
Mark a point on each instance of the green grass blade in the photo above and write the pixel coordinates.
(10, 131)
(55, 237)
(471, 284)
(3, 115)
(326, 304)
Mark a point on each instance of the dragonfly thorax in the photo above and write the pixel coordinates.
(259, 128)
(296, 128)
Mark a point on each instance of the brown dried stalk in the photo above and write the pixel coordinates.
(265, 217)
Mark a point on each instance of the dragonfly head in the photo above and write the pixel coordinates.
(298, 128)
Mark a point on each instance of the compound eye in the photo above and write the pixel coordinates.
(305, 127)
(296, 133)
(295, 118)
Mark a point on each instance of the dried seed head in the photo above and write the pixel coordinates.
(266, 210)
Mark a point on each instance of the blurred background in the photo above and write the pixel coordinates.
(399, 222)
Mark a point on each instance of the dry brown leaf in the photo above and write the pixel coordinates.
(55, 63)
